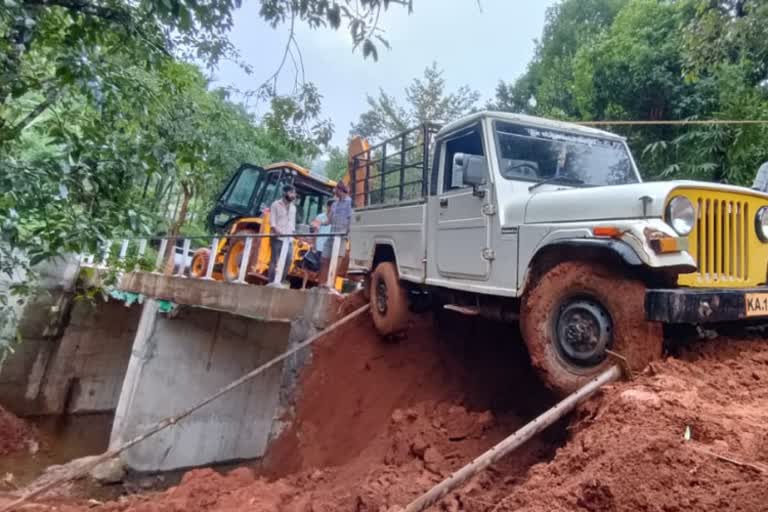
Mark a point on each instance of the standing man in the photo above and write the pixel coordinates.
(282, 221)
(761, 179)
(339, 218)
(322, 225)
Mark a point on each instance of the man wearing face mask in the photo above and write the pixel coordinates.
(282, 221)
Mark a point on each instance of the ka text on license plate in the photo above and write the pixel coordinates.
(756, 304)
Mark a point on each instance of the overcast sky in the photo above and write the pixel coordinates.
(475, 47)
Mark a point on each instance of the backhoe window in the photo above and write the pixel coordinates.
(532, 154)
(242, 190)
(270, 191)
(309, 208)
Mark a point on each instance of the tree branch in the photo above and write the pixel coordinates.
(50, 98)
(83, 7)
(119, 16)
(276, 74)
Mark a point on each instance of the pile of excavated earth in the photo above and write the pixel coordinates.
(376, 424)
(15, 435)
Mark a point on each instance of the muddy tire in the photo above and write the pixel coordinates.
(576, 311)
(367, 286)
(199, 265)
(389, 300)
(234, 255)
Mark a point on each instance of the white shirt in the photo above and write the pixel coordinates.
(282, 217)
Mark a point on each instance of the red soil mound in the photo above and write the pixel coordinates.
(355, 383)
(15, 434)
(377, 424)
(629, 450)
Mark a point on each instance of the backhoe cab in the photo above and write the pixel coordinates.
(242, 208)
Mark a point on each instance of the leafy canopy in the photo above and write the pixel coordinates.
(654, 60)
(106, 130)
(426, 100)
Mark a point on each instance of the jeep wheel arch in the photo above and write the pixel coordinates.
(612, 253)
(382, 252)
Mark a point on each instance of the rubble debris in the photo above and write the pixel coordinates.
(16, 435)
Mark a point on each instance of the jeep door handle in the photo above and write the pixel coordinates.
(444, 203)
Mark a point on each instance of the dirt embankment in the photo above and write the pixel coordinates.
(15, 434)
(377, 424)
(629, 450)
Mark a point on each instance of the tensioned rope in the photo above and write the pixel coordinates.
(674, 122)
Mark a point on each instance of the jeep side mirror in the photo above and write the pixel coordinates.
(469, 170)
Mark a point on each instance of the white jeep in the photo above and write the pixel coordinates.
(516, 217)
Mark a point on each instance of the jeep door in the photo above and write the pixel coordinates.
(459, 227)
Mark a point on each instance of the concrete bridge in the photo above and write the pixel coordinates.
(143, 365)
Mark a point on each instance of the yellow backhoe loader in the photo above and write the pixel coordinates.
(243, 208)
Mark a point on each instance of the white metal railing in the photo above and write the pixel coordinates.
(172, 263)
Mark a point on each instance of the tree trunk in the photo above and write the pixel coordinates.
(187, 192)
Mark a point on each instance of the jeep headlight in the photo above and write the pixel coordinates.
(761, 224)
(681, 215)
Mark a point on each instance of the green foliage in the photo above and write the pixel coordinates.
(105, 131)
(550, 78)
(360, 16)
(336, 166)
(427, 101)
(654, 60)
(100, 126)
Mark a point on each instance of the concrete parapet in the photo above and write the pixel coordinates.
(261, 302)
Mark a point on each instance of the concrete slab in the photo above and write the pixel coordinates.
(259, 302)
(178, 361)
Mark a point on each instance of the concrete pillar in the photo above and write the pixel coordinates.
(178, 361)
(79, 372)
(39, 322)
(86, 369)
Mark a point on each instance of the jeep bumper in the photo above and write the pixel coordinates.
(698, 306)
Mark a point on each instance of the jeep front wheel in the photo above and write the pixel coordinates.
(389, 300)
(577, 311)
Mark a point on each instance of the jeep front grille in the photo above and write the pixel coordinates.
(720, 240)
(723, 242)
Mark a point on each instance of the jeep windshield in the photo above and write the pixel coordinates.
(537, 155)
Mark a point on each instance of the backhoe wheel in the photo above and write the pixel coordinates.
(199, 265)
(574, 313)
(389, 300)
(233, 257)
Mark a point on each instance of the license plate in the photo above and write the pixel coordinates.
(756, 304)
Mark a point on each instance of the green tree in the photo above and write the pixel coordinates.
(652, 60)
(102, 125)
(336, 166)
(547, 87)
(426, 101)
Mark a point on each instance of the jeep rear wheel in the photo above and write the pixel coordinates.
(577, 311)
(389, 300)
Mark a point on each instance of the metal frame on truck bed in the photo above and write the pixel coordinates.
(402, 160)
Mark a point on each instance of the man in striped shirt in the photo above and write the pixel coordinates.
(339, 219)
